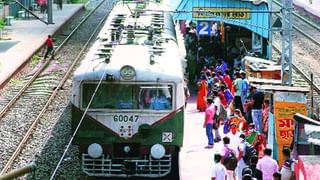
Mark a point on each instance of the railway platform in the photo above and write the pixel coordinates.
(24, 37)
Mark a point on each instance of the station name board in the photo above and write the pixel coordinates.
(229, 13)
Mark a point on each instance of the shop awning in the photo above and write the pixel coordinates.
(252, 15)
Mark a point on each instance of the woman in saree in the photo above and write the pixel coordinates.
(202, 94)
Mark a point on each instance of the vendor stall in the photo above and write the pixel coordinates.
(285, 101)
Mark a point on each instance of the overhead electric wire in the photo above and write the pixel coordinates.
(76, 130)
(205, 11)
(79, 124)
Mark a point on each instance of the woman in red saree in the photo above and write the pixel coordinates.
(202, 94)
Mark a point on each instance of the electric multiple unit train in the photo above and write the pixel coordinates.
(128, 96)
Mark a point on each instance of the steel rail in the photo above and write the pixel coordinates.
(73, 31)
(73, 64)
(304, 76)
(28, 134)
(301, 17)
(300, 30)
(307, 35)
(303, 33)
(39, 71)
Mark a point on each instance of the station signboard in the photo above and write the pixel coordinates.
(228, 13)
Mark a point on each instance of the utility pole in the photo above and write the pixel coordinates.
(50, 19)
(286, 34)
(270, 31)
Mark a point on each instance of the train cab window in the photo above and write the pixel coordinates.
(127, 96)
(156, 97)
(110, 96)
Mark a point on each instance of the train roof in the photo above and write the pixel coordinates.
(166, 67)
(140, 55)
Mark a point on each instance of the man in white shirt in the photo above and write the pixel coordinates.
(287, 169)
(219, 172)
(241, 153)
(217, 105)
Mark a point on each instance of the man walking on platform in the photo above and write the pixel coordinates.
(256, 173)
(267, 165)
(287, 169)
(208, 122)
(219, 172)
(256, 104)
(49, 45)
(241, 154)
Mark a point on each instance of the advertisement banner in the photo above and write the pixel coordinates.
(284, 123)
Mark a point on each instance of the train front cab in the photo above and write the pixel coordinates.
(153, 151)
(146, 154)
(240, 24)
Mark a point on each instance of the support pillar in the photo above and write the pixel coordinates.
(50, 19)
(286, 33)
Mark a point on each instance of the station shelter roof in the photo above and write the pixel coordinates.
(251, 14)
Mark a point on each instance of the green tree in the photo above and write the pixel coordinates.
(6, 1)
(2, 24)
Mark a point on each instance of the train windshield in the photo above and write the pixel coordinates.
(128, 96)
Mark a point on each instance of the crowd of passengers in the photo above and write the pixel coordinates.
(229, 101)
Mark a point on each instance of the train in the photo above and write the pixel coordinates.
(128, 95)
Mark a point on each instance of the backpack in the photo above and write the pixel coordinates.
(288, 163)
(249, 152)
(230, 160)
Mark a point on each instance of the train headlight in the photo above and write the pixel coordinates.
(95, 150)
(157, 151)
(127, 72)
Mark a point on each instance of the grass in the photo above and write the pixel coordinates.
(35, 60)
(79, 1)
(15, 82)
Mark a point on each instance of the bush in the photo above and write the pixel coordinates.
(6, 1)
(2, 23)
(76, 1)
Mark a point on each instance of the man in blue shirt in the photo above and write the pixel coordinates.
(160, 102)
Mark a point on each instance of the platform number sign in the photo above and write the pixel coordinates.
(204, 28)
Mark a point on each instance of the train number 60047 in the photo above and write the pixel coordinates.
(125, 118)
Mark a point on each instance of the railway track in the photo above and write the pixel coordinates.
(310, 29)
(301, 79)
(45, 86)
(21, 113)
(306, 43)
